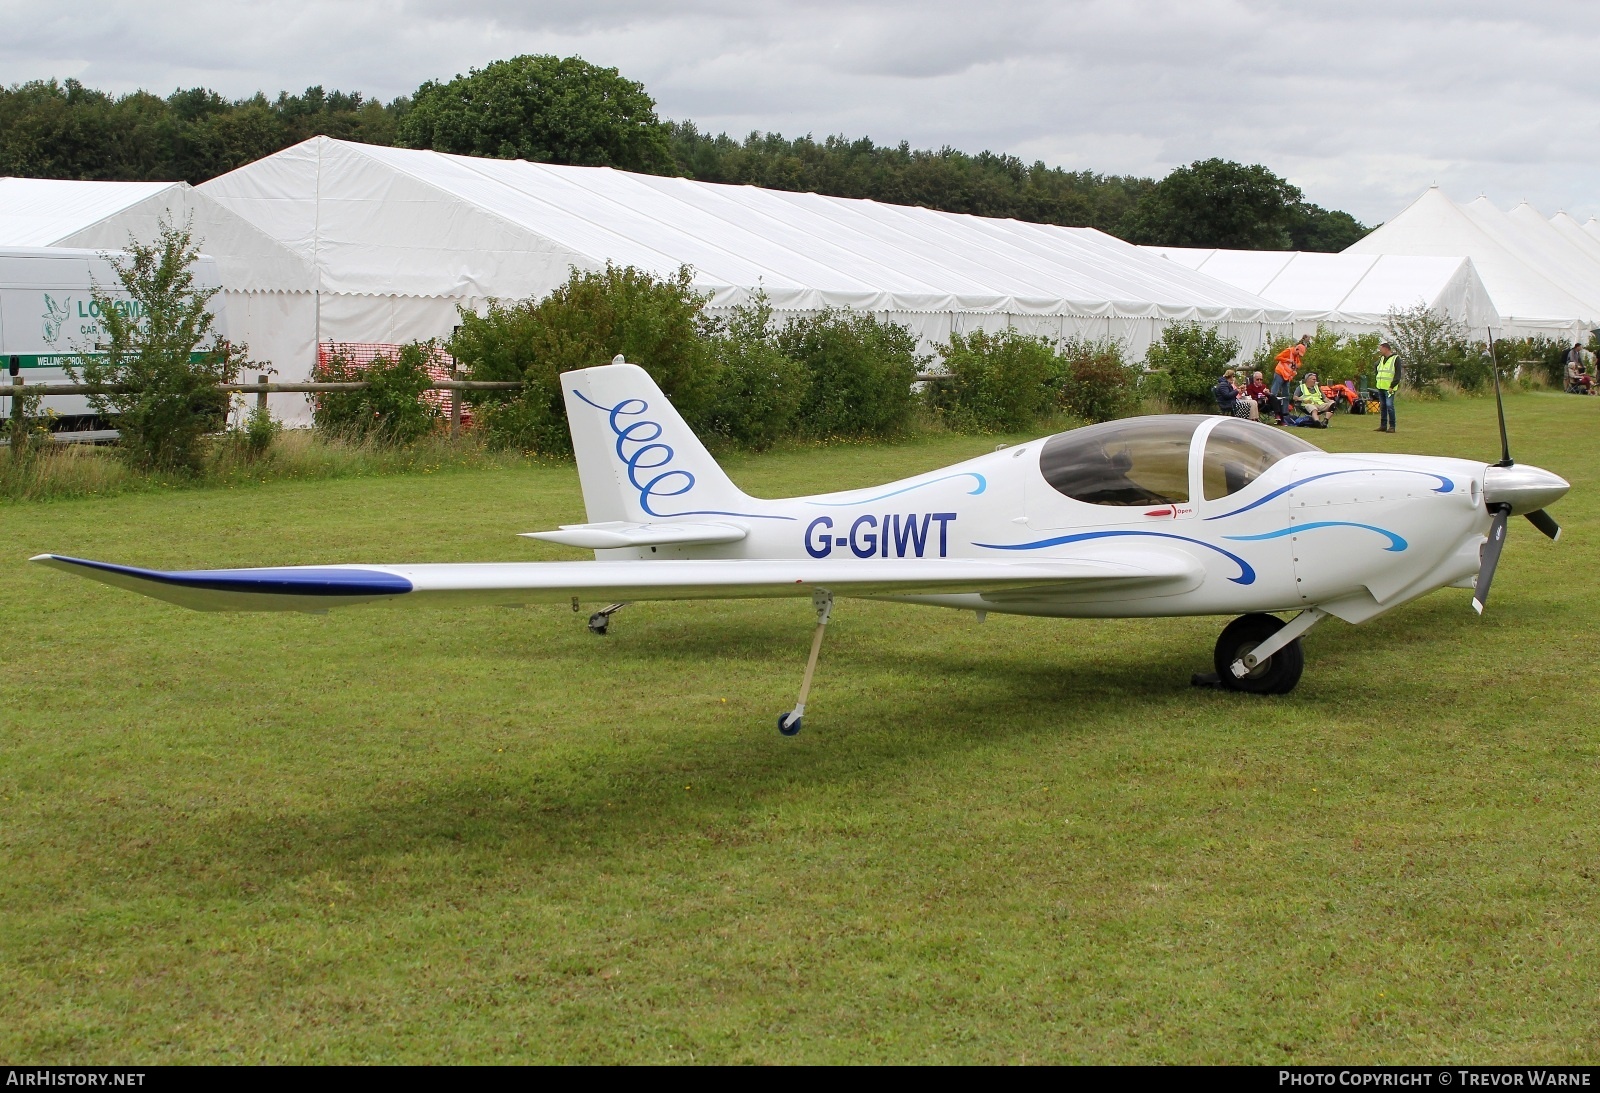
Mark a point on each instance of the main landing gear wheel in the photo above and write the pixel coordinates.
(787, 726)
(1276, 675)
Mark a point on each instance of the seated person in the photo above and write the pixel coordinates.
(1266, 402)
(1309, 398)
(1231, 400)
(1579, 382)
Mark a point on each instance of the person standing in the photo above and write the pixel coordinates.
(1288, 367)
(1386, 381)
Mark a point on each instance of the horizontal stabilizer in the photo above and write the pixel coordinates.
(620, 533)
(317, 588)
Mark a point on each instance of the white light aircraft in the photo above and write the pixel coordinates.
(1142, 517)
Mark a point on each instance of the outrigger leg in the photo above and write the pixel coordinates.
(822, 600)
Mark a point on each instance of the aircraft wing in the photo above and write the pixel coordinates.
(318, 588)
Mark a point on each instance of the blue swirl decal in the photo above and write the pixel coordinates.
(983, 484)
(1445, 486)
(1396, 543)
(1246, 575)
(650, 454)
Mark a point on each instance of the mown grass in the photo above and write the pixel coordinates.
(488, 835)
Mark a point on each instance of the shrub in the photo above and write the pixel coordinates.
(499, 345)
(1429, 343)
(1097, 384)
(1189, 357)
(859, 372)
(256, 432)
(653, 322)
(390, 409)
(998, 382)
(1539, 356)
(1338, 357)
(161, 344)
(758, 391)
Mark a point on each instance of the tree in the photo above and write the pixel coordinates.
(541, 108)
(1312, 227)
(161, 346)
(1215, 203)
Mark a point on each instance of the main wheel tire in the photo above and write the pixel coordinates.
(787, 727)
(1277, 675)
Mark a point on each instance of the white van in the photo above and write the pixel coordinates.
(48, 317)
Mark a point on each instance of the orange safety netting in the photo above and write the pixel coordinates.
(360, 354)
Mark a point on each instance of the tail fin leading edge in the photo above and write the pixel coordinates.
(638, 459)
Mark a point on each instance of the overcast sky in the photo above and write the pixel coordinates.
(1361, 103)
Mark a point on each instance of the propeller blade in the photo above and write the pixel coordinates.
(1491, 557)
(1542, 520)
(1500, 408)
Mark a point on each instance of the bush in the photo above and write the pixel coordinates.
(999, 382)
(758, 390)
(499, 345)
(256, 432)
(1097, 384)
(160, 342)
(1541, 357)
(390, 409)
(654, 322)
(1430, 343)
(1185, 363)
(1338, 357)
(859, 372)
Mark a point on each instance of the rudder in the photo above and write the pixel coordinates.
(638, 460)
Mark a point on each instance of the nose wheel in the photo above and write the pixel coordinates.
(1261, 654)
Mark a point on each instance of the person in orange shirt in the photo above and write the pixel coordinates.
(1288, 367)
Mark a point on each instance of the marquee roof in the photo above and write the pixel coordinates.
(391, 221)
(1348, 289)
(1535, 278)
(41, 212)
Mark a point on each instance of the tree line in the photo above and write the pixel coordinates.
(565, 110)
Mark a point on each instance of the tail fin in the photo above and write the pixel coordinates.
(638, 460)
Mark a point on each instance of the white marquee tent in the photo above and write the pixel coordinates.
(1574, 233)
(1538, 282)
(399, 238)
(267, 288)
(1351, 293)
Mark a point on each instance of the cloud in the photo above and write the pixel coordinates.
(1362, 104)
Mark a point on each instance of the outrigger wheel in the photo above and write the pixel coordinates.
(1276, 675)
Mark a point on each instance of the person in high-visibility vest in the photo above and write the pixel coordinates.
(1386, 381)
(1288, 367)
(1309, 397)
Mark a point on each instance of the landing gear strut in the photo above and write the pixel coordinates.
(789, 723)
(1261, 654)
(600, 621)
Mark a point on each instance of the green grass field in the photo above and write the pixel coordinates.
(491, 836)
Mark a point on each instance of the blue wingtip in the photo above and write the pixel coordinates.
(287, 581)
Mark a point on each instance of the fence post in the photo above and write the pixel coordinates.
(19, 432)
(261, 396)
(455, 402)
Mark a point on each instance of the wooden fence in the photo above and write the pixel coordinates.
(261, 389)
